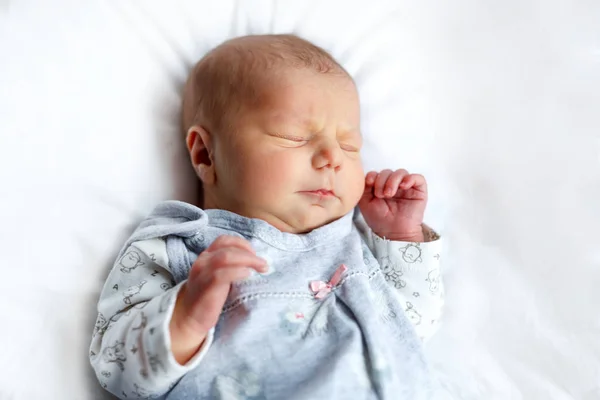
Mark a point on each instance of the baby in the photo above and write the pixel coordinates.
(301, 278)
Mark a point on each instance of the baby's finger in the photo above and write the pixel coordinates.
(230, 257)
(391, 186)
(216, 278)
(370, 178)
(230, 275)
(415, 181)
(230, 241)
(380, 182)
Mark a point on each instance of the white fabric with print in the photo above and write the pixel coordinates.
(139, 280)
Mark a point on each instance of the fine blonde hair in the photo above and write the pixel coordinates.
(234, 74)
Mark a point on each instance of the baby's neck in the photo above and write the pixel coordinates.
(280, 222)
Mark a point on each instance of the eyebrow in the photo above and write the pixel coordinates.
(311, 126)
(305, 123)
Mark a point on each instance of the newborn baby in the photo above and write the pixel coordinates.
(300, 278)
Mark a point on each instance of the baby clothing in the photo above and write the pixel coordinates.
(340, 313)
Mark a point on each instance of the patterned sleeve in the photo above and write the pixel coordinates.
(131, 350)
(414, 270)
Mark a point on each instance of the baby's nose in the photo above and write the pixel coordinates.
(328, 155)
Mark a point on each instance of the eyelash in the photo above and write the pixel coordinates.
(301, 140)
(295, 138)
(349, 148)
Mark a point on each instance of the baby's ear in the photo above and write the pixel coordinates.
(200, 146)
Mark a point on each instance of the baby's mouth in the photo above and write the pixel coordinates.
(320, 192)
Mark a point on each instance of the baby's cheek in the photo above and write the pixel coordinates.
(356, 184)
(263, 182)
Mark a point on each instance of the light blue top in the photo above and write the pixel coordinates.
(274, 339)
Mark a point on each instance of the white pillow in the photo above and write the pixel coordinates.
(91, 142)
(90, 98)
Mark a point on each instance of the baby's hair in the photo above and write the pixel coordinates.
(233, 74)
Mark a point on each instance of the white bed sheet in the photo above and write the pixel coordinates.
(496, 102)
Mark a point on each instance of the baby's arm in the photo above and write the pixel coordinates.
(393, 206)
(131, 346)
(414, 270)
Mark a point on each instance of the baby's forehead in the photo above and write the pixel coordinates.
(311, 122)
(305, 98)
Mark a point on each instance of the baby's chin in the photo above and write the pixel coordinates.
(297, 214)
(311, 218)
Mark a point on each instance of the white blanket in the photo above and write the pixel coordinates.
(497, 103)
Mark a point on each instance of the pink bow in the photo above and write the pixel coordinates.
(322, 289)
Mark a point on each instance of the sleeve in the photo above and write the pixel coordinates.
(131, 348)
(414, 270)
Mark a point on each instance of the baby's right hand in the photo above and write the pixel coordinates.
(201, 298)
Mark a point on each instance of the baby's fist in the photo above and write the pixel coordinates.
(393, 204)
(201, 298)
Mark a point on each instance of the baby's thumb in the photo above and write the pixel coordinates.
(366, 197)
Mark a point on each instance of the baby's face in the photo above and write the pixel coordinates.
(294, 161)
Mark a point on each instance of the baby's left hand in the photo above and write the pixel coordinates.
(393, 204)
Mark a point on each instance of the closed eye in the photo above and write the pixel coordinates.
(297, 139)
(347, 147)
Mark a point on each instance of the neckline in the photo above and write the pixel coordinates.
(266, 232)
